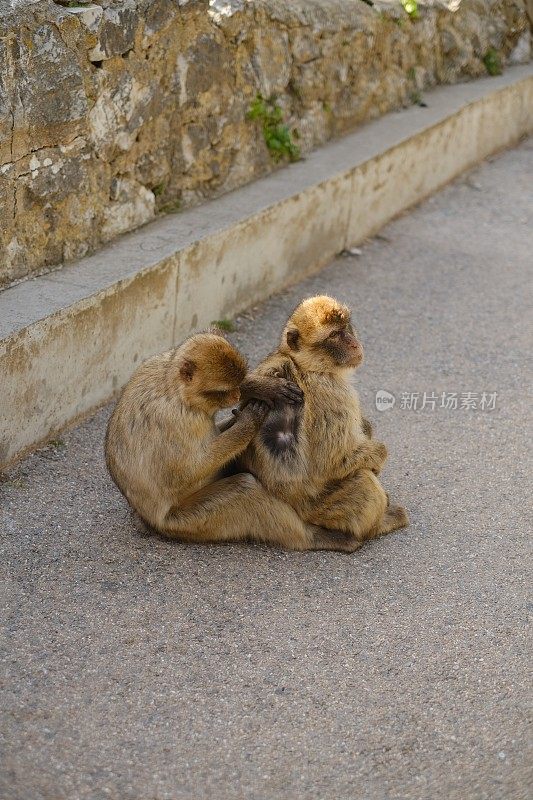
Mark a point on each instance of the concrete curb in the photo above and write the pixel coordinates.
(69, 340)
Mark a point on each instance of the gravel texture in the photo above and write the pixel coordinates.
(140, 669)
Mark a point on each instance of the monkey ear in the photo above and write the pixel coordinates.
(187, 370)
(293, 337)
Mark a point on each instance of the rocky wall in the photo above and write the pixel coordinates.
(112, 112)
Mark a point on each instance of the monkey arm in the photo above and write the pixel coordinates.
(236, 437)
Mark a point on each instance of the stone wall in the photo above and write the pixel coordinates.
(115, 111)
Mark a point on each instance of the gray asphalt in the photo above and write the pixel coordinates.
(139, 668)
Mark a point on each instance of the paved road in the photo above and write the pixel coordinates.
(140, 669)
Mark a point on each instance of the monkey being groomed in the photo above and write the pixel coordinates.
(319, 457)
(167, 455)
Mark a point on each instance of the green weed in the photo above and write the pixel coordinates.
(416, 99)
(224, 325)
(493, 62)
(173, 207)
(278, 138)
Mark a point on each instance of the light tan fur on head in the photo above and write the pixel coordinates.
(315, 314)
(209, 367)
(218, 361)
(320, 338)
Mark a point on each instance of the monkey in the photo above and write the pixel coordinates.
(319, 457)
(166, 454)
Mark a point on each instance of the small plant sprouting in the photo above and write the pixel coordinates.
(173, 207)
(416, 99)
(411, 8)
(224, 325)
(159, 189)
(278, 137)
(493, 62)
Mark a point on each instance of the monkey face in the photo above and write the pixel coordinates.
(336, 349)
(343, 347)
(321, 338)
(211, 372)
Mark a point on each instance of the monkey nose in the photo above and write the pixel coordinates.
(357, 351)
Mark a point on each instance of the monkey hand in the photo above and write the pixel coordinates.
(289, 391)
(271, 390)
(255, 411)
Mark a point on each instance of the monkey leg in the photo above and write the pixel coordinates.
(237, 508)
(395, 517)
(358, 505)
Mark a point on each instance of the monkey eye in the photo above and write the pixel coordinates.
(334, 334)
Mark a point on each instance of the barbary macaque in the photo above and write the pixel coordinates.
(318, 457)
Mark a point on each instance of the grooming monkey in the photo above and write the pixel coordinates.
(319, 457)
(166, 455)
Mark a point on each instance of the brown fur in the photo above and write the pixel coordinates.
(323, 462)
(166, 454)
